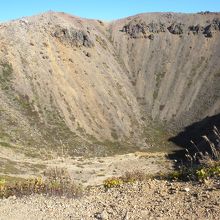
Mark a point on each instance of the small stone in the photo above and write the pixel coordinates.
(13, 197)
(88, 54)
(126, 217)
(186, 189)
(151, 37)
(101, 215)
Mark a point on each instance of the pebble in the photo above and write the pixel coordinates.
(186, 189)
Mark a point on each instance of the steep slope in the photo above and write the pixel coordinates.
(93, 87)
(61, 83)
(173, 62)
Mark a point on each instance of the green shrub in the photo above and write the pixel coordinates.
(6, 72)
(209, 172)
(175, 175)
(200, 166)
(128, 177)
(113, 182)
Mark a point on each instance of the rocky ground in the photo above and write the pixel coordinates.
(154, 199)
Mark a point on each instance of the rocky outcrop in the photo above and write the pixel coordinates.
(154, 27)
(140, 29)
(176, 28)
(135, 29)
(212, 28)
(208, 30)
(73, 37)
(151, 37)
(196, 29)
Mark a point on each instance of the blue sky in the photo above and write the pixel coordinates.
(102, 9)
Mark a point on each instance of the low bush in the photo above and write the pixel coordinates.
(196, 173)
(201, 165)
(134, 176)
(128, 177)
(113, 182)
(56, 183)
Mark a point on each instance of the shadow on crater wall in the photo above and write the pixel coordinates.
(195, 132)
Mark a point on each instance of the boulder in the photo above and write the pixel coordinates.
(212, 28)
(196, 29)
(151, 37)
(176, 28)
(139, 29)
(208, 32)
(135, 28)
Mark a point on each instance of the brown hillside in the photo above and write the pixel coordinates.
(96, 87)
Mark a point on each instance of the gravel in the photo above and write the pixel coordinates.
(154, 199)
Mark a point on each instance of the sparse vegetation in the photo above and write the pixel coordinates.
(217, 74)
(156, 135)
(114, 134)
(56, 183)
(6, 71)
(196, 173)
(201, 165)
(5, 144)
(128, 177)
(113, 182)
(102, 42)
(159, 77)
(134, 176)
